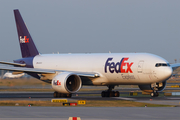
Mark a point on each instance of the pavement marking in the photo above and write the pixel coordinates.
(173, 98)
(124, 98)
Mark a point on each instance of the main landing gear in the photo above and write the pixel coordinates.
(61, 95)
(109, 92)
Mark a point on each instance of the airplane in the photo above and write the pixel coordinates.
(67, 73)
(11, 75)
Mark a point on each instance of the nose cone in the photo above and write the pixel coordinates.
(167, 72)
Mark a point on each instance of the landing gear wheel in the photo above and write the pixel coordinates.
(55, 94)
(61, 95)
(110, 94)
(154, 94)
(68, 95)
(58, 95)
(106, 94)
(116, 94)
(103, 94)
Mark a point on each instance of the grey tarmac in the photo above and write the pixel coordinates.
(170, 100)
(89, 113)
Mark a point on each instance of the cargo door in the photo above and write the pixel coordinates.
(140, 66)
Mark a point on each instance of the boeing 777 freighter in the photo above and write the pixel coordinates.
(68, 72)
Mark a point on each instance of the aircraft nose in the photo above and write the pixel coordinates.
(168, 72)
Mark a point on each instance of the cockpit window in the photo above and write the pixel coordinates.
(162, 64)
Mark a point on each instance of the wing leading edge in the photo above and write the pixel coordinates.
(175, 66)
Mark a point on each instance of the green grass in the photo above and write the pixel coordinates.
(27, 90)
(89, 103)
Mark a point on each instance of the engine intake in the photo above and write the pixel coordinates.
(149, 88)
(66, 82)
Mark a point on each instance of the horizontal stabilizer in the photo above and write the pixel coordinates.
(11, 63)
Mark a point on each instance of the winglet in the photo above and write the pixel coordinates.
(28, 48)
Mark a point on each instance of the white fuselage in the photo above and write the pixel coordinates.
(113, 68)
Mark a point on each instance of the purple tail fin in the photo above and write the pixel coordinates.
(28, 48)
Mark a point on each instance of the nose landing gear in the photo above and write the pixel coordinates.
(155, 89)
(154, 94)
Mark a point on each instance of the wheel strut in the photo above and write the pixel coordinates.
(154, 94)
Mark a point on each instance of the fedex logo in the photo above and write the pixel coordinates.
(24, 40)
(119, 67)
(57, 82)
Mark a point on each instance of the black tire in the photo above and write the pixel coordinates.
(154, 94)
(116, 94)
(111, 94)
(103, 94)
(58, 95)
(68, 95)
(106, 94)
(55, 94)
(63, 95)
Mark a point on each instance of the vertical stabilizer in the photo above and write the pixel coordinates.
(28, 48)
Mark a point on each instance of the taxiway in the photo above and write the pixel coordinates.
(170, 100)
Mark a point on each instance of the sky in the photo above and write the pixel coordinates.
(93, 26)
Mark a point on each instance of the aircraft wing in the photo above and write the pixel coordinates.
(47, 71)
(176, 68)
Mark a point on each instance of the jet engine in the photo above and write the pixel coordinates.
(149, 88)
(66, 82)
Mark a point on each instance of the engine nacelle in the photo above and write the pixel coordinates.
(149, 88)
(66, 82)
